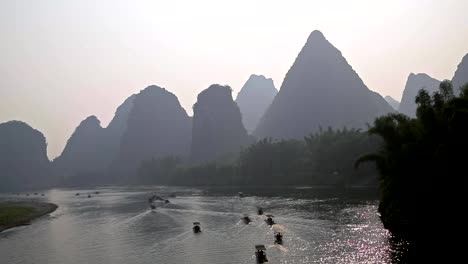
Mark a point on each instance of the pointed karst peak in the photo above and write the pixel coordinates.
(316, 34)
(152, 89)
(91, 122)
(461, 74)
(216, 92)
(320, 89)
(317, 37)
(255, 79)
(258, 77)
(254, 98)
(217, 125)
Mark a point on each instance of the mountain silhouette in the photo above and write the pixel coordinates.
(320, 90)
(392, 102)
(23, 157)
(254, 98)
(415, 83)
(157, 126)
(461, 75)
(217, 126)
(83, 152)
(91, 149)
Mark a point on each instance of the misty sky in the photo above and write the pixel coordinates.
(63, 60)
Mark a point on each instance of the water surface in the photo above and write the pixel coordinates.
(117, 226)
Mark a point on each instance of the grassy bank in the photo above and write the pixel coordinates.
(14, 214)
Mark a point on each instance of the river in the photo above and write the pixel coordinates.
(117, 226)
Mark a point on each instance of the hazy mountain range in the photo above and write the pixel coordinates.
(320, 90)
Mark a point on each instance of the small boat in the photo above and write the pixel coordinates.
(270, 220)
(35, 193)
(153, 206)
(260, 253)
(246, 219)
(89, 195)
(42, 194)
(260, 211)
(241, 194)
(279, 238)
(77, 194)
(96, 192)
(166, 201)
(196, 227)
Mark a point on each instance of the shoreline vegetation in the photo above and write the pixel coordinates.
(16, 213)
(420, 157)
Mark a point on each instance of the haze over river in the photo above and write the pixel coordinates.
(117, 226)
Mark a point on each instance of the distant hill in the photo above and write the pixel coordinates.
(461, 75)
(254, 98)
(217, 126)
(157, 126)
(392, 102)
(320, 90)
(23, 158)
(90, 150)
(83, 153)
(415, 83)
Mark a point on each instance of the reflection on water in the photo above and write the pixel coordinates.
(118, 226)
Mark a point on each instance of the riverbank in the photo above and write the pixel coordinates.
(14, 213)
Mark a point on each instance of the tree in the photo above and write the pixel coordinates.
(420, 158)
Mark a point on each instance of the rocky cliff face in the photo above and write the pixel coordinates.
(461, 75)
(320, 89)
(157, 126)
(415, 83)
(217, 126)
(23, 158)
(254, 98)
(392, 102)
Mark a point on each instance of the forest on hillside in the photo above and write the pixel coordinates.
(322, 158)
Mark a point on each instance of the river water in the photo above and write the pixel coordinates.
(117, 226)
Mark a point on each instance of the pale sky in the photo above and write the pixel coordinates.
(63, 60)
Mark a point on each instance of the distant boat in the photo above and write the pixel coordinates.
(260, 253)
(241, 194)
(246, 219)
(269, 220)
(260, 211)
(196, 227)
(279, 238)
